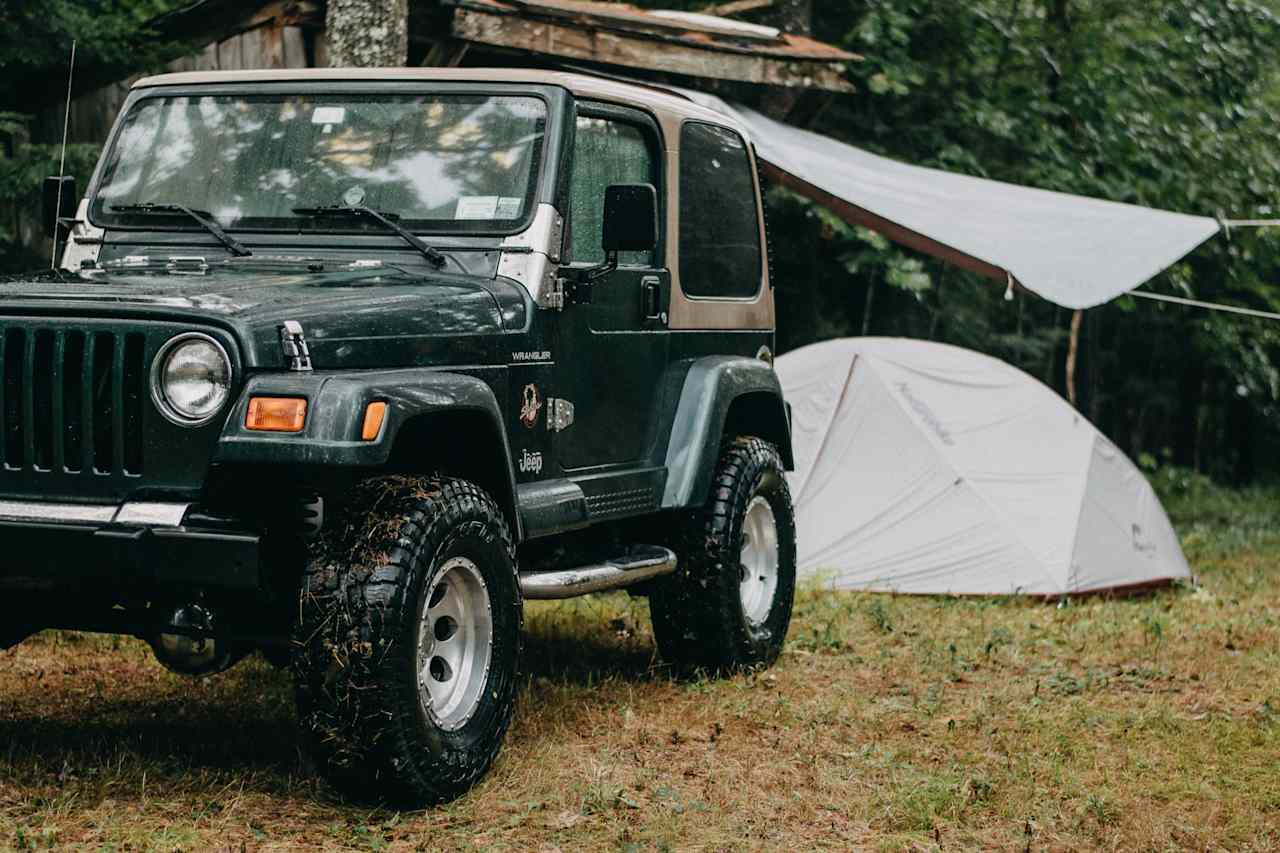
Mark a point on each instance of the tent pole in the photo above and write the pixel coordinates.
(1073, 352)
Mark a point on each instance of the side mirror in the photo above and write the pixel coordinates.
(58, 200)
(630, 218)
(630, 225)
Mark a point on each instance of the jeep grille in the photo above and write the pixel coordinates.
(72, 399)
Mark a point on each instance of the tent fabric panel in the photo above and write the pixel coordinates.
(939, 470)
(878, 508)
(1004, 432)
(1124, 536)
(821, 378)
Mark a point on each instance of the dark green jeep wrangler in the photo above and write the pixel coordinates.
(343, 366)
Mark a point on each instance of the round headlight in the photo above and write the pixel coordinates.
(191, 379)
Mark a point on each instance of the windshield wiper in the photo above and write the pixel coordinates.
(431, 254)
(233, 245)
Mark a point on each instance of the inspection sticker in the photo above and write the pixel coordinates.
(508, 208)
(328, 115)
(476, 207)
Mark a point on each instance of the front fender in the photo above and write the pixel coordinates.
(335, 414)
(721, 395)
(336, 402)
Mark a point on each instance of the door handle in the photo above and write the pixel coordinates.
(651, 294)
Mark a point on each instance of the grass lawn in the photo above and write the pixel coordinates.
(889, 723)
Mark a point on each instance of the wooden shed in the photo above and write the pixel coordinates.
(703, 50)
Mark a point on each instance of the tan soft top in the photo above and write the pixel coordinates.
(665, 103)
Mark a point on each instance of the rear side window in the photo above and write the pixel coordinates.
(719, 231)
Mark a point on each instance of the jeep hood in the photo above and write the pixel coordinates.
(351, 318)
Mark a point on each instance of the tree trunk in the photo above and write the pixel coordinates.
(1073, 354)
(866, 308)
(367, 33)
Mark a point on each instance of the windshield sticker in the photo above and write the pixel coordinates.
(329, 115)
(353, 197)
(508, 208)
(477, 207)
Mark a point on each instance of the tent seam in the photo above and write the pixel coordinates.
(826, 432)
(961, 479)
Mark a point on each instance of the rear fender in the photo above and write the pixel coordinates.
(722, 397)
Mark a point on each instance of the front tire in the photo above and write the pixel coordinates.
(728, 606)
(407, 647)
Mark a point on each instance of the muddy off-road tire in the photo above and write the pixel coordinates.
(407, 645)
(728, 605)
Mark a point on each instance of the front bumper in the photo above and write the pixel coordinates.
(134, 545)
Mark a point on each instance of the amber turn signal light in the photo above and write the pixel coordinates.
(276, 414)
(374, 415)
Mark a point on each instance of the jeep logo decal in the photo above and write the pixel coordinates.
(530, 463)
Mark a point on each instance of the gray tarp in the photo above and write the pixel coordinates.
(1074, 251)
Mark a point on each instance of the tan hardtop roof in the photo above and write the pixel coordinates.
(662, 101)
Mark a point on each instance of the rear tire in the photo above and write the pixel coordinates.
(407, 647)
(728, 605)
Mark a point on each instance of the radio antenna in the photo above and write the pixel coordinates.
(62, 162)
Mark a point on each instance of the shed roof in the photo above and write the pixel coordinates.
(708, 31)
(619, 34)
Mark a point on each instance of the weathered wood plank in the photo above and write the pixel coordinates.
(322, 50)
(253, 49)
(294, 44)
(446, 53)
(736, 7)
(182, 63)
(271, 46)
(618, 49)
(207, 60)
(230, 56)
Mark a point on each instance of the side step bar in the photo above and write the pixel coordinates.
(643, 563)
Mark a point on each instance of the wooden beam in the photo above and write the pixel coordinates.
(446, 53)
(737, 7)
(855, 215)
(616, 48)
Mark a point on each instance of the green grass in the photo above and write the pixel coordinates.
(890, 723)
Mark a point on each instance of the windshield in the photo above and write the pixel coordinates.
(432, 162)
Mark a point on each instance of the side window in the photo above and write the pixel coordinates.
(605, 151)
(719, 231)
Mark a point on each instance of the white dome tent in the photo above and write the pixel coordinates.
(926, 468)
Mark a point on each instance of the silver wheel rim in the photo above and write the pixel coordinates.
(758, 579)
(455, 644)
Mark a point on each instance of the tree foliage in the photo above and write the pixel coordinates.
(112, 37)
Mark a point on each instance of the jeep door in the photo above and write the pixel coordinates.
(611, 353)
